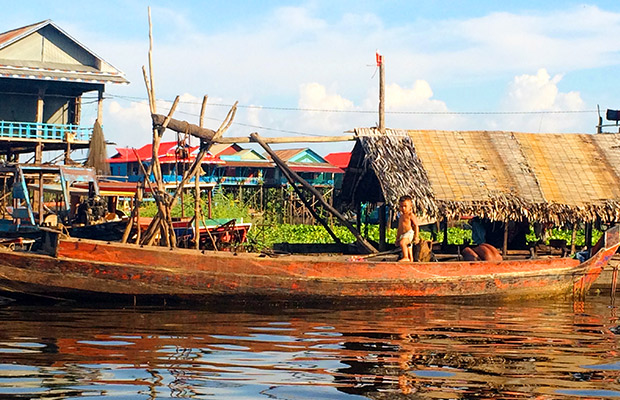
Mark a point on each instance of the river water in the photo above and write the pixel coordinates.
(547, 349)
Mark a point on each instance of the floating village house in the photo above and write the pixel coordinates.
(500, 176)
(309, 165)
(44, 73)
(227, 165)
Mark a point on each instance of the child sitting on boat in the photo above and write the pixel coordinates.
(408, 234)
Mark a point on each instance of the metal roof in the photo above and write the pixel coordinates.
(45, 70)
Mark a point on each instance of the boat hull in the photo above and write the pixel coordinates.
(95, 269)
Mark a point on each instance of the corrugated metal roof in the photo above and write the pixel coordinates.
(340, 160)
(8, 37)
(285, 154)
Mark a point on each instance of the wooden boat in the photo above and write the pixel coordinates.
(88, 269)
(218, 233)
(35, 196)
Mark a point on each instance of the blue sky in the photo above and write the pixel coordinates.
(457, 65)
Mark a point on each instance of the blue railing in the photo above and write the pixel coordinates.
(41, 131)
(228, 180)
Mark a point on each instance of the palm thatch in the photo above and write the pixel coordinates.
(97, 151)
(502, 176)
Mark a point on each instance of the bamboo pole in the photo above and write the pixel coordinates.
(131, 219)
(292, 177)
(197, 210)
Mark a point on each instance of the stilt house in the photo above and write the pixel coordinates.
(44, 73)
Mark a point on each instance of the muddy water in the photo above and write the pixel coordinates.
(543, 349)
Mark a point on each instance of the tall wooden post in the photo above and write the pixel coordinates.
(197, 210)
(38, 152)
(100, 106)
(358, 217)
(382, 227)
(41, 198)
(380, 63)
(505, 243)
(444, 242)
(210, 200)
(588, 235)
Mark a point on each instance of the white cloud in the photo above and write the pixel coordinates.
(540, 92)
(270, 62)
(315, 96)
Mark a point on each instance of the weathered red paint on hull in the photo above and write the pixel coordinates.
(83, 266)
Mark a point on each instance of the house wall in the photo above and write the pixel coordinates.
(118, 169)
(23, 108)
(14, 107)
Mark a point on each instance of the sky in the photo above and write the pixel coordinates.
(307, 68)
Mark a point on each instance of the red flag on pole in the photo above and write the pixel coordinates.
(379, 59)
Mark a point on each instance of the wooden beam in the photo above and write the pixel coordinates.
(183, 127)
(287, 139)
(295, 177)
(292, 178)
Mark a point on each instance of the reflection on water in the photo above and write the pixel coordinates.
(544, 350)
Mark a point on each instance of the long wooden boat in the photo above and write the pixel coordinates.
(88, 269)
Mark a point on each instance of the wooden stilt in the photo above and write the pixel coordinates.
(131, 219)
(588, 236)
(444, 242)
(139, 192)
(505, 242)
(382, 227)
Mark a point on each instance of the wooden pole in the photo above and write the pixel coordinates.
(288, 174)
(197, 210)
(505, 243)
(444, 242)
(139, 196)
(38, 152)
(100, 106)
(292, 177)
(41, 199)
(382, 96)
(210, 200)
(358, 216)
(382, 227)
(573, 239)
(183, 127)
(588, 235)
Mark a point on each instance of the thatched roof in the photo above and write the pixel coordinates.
(499, 175)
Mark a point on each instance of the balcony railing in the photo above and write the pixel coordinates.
(229, 180)
(41, 131)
